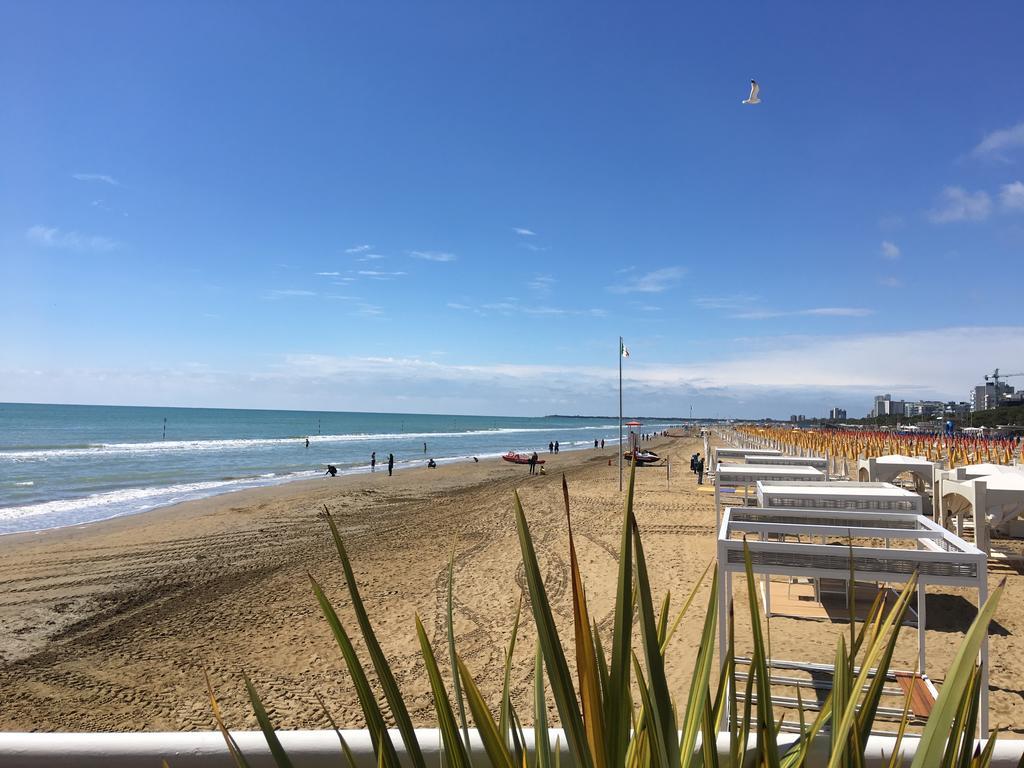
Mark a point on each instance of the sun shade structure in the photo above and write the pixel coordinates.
(840, 495)
(729, 454)
(747, 476)
(818, 462)
(991, 502)
(784, 542)
(886, 469)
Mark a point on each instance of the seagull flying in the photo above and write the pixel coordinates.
(754, 90)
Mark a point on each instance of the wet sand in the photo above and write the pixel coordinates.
(111, 626)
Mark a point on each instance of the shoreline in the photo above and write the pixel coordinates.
(256, 482)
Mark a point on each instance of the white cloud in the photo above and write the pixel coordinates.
(960, 205)
(995, 145)
(327, 274)
(813, 312)
(734, 302)
(652, 282)
(541, 284)
(890, 250)
(456, 305)
(380, 275)
(370, 257)
(535, 248)
(770, 376)
(101, 177)
(52, 237)
(1012, 196)
(359, 249)
(523, 231)
(282, 292)
(432, 255)
(890, 282)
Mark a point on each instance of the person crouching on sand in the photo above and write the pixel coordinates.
(331, 470)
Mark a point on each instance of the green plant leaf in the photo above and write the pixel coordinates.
(280, 756)
(586, 661)
(379, 735)
(699, 680)
(456, 687)
(497, 751)
(454, 749)
(554, 657)
(765, 718)
(349, 757)
(617, 704)
(662, 719)
(541, 738)
(380, 664)
(504, 724)
(233, 748)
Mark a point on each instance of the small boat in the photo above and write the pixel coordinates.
(519, 458)
(642, 457)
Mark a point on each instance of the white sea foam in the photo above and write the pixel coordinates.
(189, 446)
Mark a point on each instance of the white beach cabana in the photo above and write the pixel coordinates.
(838, 494)
(886, 469)
(937, 556)
(818, 462)
(968, 472)
(747, 476)
(726, 453)
(990, 502)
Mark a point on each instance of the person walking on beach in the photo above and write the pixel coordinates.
(551, 447)
(602, 445)
(556, 446)
(700, 471)
(595, 445)
(533, 463)
(391, 463)
(373, 461)
(693, 463)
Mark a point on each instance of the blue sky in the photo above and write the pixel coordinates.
(459, 207)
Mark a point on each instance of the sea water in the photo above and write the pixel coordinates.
(70, 464)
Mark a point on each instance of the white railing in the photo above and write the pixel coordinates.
(313, 749)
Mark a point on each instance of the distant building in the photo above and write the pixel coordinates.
(989, 395)
(953, 408)
(837, 414)
(923, 408)
(886, 406)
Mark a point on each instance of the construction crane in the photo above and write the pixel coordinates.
(996, 376)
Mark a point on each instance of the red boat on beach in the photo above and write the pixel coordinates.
(519, 458)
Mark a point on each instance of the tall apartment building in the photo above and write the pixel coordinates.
(988, 396)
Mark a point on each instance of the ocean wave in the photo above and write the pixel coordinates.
(185, 446)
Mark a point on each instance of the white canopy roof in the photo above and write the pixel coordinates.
(895, 458)
(741, 474)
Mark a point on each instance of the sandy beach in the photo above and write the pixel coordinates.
(111, 626)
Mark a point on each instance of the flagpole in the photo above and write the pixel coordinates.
(620, 414)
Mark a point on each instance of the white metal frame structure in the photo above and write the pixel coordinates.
(839, 495)
(818, 462)
(725, 452)
(992, 501)
(940, 558)
(747, 476)
(886, 469)
(968, 472)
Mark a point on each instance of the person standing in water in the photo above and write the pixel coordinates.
(307, 442)
(424, 447)
(373, 461)
(391, 463)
